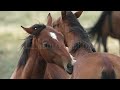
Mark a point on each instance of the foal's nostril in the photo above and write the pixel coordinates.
(69, 68)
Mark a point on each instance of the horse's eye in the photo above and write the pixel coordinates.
(46, 45)
(35, 28)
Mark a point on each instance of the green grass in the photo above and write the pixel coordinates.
(9, 53)
(11, 34)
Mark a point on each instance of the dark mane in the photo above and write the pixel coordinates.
(81, 44)
(76, 27)
(27, 44)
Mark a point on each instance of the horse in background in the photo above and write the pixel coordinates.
(107, 25)
(89, 63)
(43, 47)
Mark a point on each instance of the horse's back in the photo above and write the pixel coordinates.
(55, 72)
(92, 66)
(111, 25)
(116, 23)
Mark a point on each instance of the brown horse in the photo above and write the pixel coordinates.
(44, 45)
(107, 25)
(89, 64)
(54, 71)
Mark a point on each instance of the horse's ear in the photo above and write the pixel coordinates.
(49, 20)
(78, 14)
(63, 14)
(28, 30)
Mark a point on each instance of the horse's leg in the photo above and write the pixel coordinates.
(104, 42)
(95, 43)
(99, 48)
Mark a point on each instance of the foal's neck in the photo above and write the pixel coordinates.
(35, 66)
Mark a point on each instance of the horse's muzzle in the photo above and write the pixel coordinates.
(69, 68)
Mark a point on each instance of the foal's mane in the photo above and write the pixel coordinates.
(27, 44)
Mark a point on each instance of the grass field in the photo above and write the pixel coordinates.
(12, 35)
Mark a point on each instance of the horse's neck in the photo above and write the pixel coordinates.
(35, 66)
(80, 53)
(71, 40)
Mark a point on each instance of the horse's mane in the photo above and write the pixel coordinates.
(27, 44)
(77, 28)
(81, 44)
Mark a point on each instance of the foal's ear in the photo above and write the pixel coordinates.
(78, 14)
(28, 30)
(49, 20)
(63, 14)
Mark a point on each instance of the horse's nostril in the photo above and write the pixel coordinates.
(69, 68)
(69, 65)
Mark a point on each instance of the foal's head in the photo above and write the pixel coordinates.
(50, 45)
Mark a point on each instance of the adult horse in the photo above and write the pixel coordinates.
(107, 25)
(44, 45)
(89, 64)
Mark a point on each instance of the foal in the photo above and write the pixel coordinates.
(43, 45)
(54, 71)
(89, 64)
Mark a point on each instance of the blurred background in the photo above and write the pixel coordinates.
(12, 35)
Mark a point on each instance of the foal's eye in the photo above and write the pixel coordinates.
(46, 45)
(54, 26)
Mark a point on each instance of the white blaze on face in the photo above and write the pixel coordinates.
(53, 35)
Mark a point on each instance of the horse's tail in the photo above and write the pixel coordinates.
(96, 30)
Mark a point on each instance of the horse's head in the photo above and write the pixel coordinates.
(50, 45)
(63, 22)
(74, 33)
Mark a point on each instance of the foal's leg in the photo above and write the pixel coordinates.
(104, 42)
